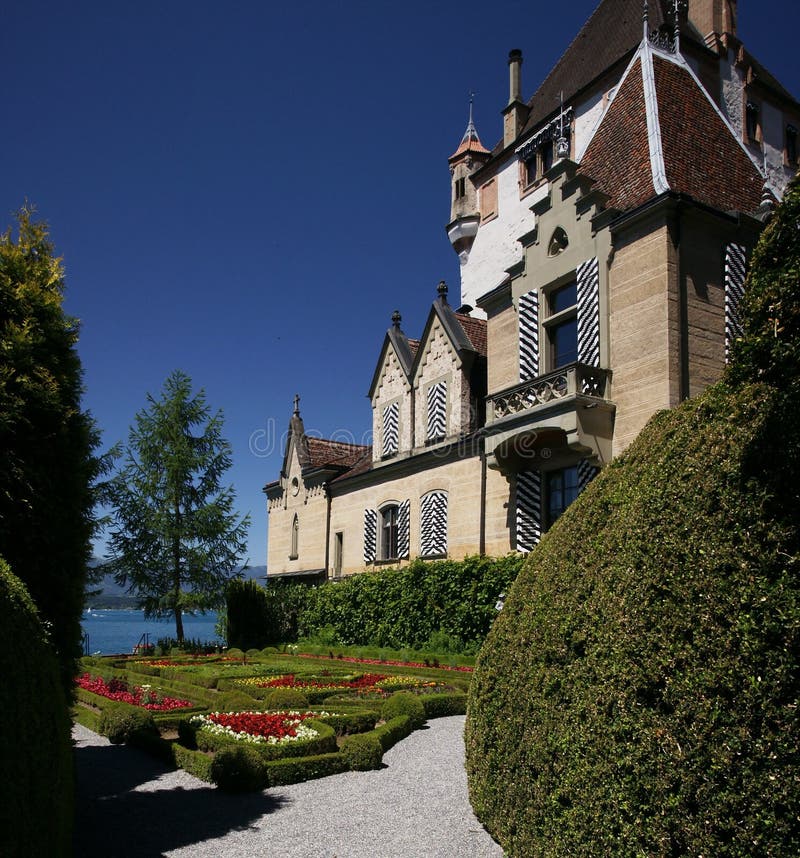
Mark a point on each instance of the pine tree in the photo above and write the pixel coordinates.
(174, 538)
(47, 466)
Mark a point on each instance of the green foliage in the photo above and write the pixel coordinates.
(404, 703)
(285, 698)
(395, 729)
(35, 745)
(174, 537)
(258, 616)
(234, 701)
(769, 350)
(237, 767)
(362, 751)
(122, 723)
(637, 694)
(440, 705)
(47, 466)
(292, 770)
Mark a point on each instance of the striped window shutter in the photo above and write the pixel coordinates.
(391, 416)
(437, 411)
(370, 535)
(403, 529)
(433, 524)
(586, 473)
(735, 268)
(529, 510)
(589, 313)
(529, 336)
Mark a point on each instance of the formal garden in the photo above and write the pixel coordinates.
(249, 720)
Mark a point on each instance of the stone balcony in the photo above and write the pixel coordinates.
(560, 416)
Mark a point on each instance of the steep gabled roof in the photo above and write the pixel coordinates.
(608, 37)
(396, 341)
(467, 335)
(661, 132)
(475, 329)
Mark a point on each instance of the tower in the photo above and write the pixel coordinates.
(464, 209)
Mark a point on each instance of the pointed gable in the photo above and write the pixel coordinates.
(397, 349)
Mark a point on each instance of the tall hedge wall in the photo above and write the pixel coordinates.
(638, 694)
(36, 781)
(392, 608)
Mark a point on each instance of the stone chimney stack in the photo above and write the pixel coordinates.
(713, 18)
(516, 112)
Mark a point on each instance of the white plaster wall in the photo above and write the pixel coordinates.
(495, 247)
(732, 93)
(393, 384)
(587, 117)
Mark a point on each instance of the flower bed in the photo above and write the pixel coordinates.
(379, 661)
(273, 728)
(367, 680)
(118, 690)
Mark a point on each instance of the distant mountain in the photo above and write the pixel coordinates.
(111, 595)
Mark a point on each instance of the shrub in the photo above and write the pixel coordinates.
(440, 705)
(253, 653)
(36, 787)
(390, 733)
(238, 768)
(234, 652)
(637, 693)
(362, 751)
(404, 703)
(233, 701)
(285, 698)
(123, 723)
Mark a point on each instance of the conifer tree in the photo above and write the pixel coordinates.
(47, 466)
(174, 538)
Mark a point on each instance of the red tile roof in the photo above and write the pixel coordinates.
(414, 346)
(324, 453)
(618, 157)
(475, 329)
(361, 466)
(701, 156)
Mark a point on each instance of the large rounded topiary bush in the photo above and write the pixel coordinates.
(638, 694)
(36, 783)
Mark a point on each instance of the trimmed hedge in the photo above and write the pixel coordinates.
(324, 743)
(395, 729)
(36, 787)
(403, 703)
(238, 767)
(452, 602)
(121, 722)
(441, 705)
(362, 751)
(292, 770)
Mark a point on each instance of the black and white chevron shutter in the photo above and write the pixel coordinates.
(433, 524)
(586, 473)
(589, 313)
(735, 269)
(529, 509)
(370, 535)
(528, 336)
(437, 410)
(403, 529)
(390, 429)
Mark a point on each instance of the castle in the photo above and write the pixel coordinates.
(603, 244)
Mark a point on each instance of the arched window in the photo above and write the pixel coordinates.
(388, 534)
(295, 537)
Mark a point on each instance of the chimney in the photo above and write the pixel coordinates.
(712, 18)
(516, 113)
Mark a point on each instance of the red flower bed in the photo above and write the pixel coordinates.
(354, 659)
(117, 689)
(278, 725)
(368, 680)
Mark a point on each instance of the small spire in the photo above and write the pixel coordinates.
(396, 319)
(297, 405)
(677, 9)
(645, 23)
(562, 144)
(442, 290)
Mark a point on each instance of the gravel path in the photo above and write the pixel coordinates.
(415, 807)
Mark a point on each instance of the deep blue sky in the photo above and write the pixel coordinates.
(247, 190)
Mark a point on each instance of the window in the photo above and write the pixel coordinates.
(537, 163)
(461, 187)
(752, 126)
(388, 536)
(791, 145)
(338, 552)
(391, 429)
(293, 555)
(561, 326)
(489, 200)
(561, 489)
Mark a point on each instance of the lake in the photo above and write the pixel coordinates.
(114, 632)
